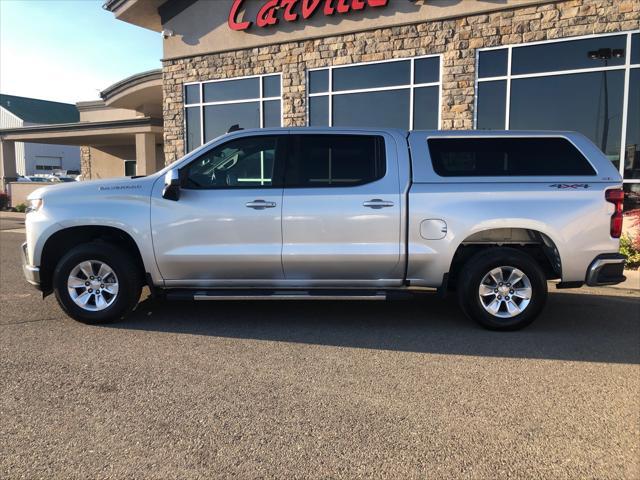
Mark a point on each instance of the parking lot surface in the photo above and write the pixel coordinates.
(317, 389)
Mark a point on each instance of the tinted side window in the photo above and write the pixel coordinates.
(499, 157)
(242, 163)
(335, 160)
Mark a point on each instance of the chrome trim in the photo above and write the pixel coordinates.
(290, 297)
(596, 266)
(377, 203)
(31, 273)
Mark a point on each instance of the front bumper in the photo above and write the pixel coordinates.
(606, 269)
(31, 273)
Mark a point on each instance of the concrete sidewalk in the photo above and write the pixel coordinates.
(632, 282)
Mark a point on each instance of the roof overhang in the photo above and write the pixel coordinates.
(117, 132)
(143, 13)
(135, 91)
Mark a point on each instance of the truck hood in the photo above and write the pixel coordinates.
(127, 185)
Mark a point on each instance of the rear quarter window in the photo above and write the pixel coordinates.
(507, 156)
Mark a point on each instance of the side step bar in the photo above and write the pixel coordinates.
(276, 295)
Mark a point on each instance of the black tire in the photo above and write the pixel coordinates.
(124, 267)
(471, 277)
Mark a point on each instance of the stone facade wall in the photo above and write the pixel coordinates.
(457, 39)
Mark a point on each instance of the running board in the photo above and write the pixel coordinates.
(276, 295)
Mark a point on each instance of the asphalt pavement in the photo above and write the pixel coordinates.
(317, 389)
(11, 221)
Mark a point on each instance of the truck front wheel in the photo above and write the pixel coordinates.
(502, 289)
(96, 283)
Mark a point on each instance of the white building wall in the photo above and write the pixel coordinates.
(69, 155)
(9, 120)
(27, 153)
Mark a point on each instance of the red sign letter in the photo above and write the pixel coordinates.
(233, 24)
(267, 14)
(357, 4)
(328, 9)
(343, 6)
(289, 14)
(377, 3)
(309, 7)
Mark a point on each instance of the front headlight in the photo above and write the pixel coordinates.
(35, 204)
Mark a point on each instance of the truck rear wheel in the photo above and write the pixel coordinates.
(502, 289)
(97, 283)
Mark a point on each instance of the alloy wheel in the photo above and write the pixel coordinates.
(505, 292)
(93, 285)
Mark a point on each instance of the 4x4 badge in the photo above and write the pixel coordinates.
(564, 186)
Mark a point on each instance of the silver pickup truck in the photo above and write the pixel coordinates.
(362, 214)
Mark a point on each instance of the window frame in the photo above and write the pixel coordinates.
(279, 162)
(411, 86)
(261, 99)
(627, 67)
(292, 156)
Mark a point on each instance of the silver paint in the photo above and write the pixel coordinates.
(369, 235)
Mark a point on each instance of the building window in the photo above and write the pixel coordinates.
(129, 168)
(212, 108)
(588, 84)
(403, 93)
(48, 164)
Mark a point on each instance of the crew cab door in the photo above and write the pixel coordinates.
(341, 210)
(225, 229)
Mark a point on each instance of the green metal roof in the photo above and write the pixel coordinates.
(32, 110)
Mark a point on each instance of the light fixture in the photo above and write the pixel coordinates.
(618, 53)
(605, 53)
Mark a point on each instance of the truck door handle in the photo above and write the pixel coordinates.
(377, 203)
(260, 204)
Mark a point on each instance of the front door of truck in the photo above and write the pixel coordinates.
(225, 229)
(341, 210)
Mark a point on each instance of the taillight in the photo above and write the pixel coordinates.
(616, 197)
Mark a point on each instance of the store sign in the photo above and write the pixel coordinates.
(272, 11)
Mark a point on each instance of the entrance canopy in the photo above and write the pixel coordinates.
(128, 118)
(115, 132)
(143, 133)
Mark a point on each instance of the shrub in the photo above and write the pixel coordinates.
(629, 248)
(21, 208)
(633, 217)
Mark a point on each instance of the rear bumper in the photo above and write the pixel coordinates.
(606, 269)
(31, 273)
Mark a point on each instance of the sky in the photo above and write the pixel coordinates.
(69, 50)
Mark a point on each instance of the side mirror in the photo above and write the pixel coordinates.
(171, 190)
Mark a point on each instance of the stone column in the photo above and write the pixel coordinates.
(146, 154)
(85, 162)
(8, 169)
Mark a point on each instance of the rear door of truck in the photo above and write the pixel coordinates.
(342, 209)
